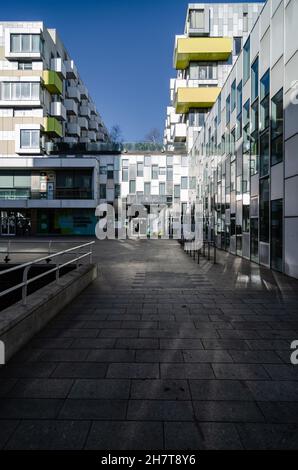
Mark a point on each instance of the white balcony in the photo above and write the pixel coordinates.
(73, 128)
(85, 111)
(71, 70)
(180, 132)
(93, 125)
(83, 91)
(83, 123)
(58, 66)
(73, 92)
(58, 110)
(92, 136)
(71, 107)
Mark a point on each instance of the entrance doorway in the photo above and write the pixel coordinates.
(14, 223)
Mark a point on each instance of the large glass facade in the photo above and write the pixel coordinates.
(277, 122)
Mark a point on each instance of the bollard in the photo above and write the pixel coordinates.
(204, 249)
(214, 254)
(208, 251)
(199, 250)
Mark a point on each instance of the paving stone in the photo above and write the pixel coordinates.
(6, 430)
(49, 435)
(6, 385)
(180, 343)
(269, 390)
(269, 436)
(227, 411)
(26, 408)
(235, 344)
(263, 344)
(125, 435)
(160, 410)
(207, 356)
(165, 389)
(255, 357)
(240, 371)
(93, 409)
(282, 372)
(80, 370)
(112, 355)
(133, 371)
(63, 355)
(280, 412)
(100, 388)
(52, 343)
(159, 356)
(137, 343)
(27, 370)
(118, 333)
(200, 436)
(186, 371)
(93, 343)
(41, 388)
(219, 390)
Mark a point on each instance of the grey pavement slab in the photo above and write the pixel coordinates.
(160, 353)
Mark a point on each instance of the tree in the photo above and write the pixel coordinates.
(154, 136)
(116, 134)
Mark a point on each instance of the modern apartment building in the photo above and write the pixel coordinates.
(245, 156)
(203, 57)
(43, 104)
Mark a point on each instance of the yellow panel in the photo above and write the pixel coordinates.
(53, 126)
(202, 97)
(206, 49)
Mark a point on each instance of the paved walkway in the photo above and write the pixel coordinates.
(160, 353)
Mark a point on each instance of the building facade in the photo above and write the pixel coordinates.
(43, 103)
(245, 156)
(203, 57)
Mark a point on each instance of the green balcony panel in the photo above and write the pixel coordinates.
(53, 126)
(52, 82)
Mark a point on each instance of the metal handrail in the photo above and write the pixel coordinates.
(26, 266)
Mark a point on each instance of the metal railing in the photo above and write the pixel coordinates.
(198, 248)
(8, 251)
(26, 267)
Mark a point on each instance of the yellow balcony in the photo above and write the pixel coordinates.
(53, 126)
(52, 82)
(202, 97)
(188, 49)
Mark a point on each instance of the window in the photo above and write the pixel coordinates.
(30, 139)
(196, 117)
(162, 189)
(110, 172)
(264, 210)
(147, 160)
(162, 170)
(147, 189)
(264, 153)
(255, 80)
(117, 190)
(202, 71)
(154, 172)
(228, 110)
(246, 123)
(233, 96)
(254, 240)
(277, 121)
(245, 22)
(237, 45)
(184, 182)
(196, 19)
(265, 84)
(140, 169)
(25, 43)
(246, 61)
(169, 173)
(102, 191)
(15, 91)
(219, 108)
(102, 170)
(25, 65)
(276, 234)
(177, 191)
(125, 175)
(239, 110)
(192, 182)
(132, 186)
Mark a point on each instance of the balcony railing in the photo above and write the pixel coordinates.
(12, 194)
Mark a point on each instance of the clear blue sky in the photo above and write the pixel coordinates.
(123, 51)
